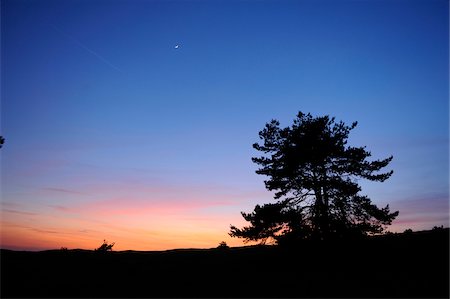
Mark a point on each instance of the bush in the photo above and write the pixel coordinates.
(223, 245)
(438, 227)
(105, 247)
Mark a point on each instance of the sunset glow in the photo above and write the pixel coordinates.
(133, 121)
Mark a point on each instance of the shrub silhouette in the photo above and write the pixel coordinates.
(105, 247)
(223, 245)
(408, 231)
(438, 227)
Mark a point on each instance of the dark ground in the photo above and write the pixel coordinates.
(402, 265)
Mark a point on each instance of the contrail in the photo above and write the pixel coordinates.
(86, 48)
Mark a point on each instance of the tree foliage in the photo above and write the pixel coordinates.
(105, 247)
(2, 140)
(314, 175)
(223, 246)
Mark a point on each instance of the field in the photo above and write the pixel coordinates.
(400, 265)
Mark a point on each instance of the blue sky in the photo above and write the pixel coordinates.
(98, 105)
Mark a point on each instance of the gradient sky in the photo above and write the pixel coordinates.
(113, 133)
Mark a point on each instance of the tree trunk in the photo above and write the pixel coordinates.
(317, 225)
(325, 214)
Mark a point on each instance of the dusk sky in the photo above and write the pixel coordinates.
(112, 132)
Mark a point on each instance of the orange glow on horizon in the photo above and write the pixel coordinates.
(139, 231)
(151, 219)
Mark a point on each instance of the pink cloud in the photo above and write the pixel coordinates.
(421, 212)
(63, 208)
(133, 214)
(18, 212)
(137, 208)
(62, 190)
(143, 199)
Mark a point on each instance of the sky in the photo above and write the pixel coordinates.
(112, 132)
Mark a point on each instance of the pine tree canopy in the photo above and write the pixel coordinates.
(314, 175)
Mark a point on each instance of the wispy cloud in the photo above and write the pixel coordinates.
(62, 190)
(140, 207)
(422, 212)
(62, 208)
(9, 204)
(18, 212)
(45, 231)
(429, 203)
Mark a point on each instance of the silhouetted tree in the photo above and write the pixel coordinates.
(314, 175)
(2, 141)
(105, 247)
(223, 245)
(438, 227)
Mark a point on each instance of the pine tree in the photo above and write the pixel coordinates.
(314, 175)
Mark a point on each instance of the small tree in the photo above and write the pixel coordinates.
(105, 247)
(438, 227)
(315, 178)
(223, 245)
(2, 141)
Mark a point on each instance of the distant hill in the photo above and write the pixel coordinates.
(412, 264)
